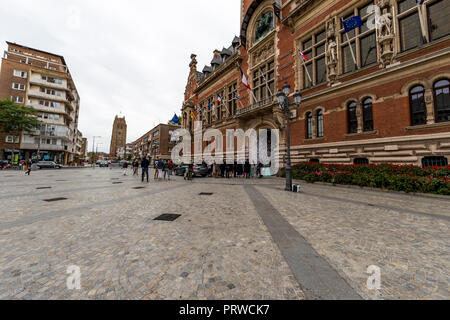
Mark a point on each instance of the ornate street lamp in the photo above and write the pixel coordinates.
(283, 100)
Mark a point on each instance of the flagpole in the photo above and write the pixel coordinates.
(350, 45)
(422, 26)
(267, 84)
(304, 64)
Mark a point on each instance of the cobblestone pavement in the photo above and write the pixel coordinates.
(223, 246)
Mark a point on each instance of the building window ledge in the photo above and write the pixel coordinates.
(316, 140)
(429, 126)
(366, 133)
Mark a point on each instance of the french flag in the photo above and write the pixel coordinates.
(305, 58)
(219, 99)
(244, 80)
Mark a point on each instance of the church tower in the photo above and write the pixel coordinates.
(119, 136)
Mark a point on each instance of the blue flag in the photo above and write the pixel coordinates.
(175, 119)
(209, 105)
(352, 23)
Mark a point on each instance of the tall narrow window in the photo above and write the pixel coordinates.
(314, 50)
(319, 121)
(309, 126)
(351, 117)
(232, 99)
(264, 81)
(439, 19)
(409, 25)
(442, 100)
(417, 106)
(362, 38)
(368, 115)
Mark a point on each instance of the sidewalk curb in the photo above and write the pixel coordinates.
(423, 195)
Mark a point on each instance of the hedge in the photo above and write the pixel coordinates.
(407, 178)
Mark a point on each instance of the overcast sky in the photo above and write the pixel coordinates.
(125, 56)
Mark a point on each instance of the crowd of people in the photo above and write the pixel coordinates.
(164, 169)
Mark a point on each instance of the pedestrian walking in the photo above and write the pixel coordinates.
(29, 164)
(145, 163)
(247, 170)
(214, 170)
(160, 167)
(135, 167)
(125, 168)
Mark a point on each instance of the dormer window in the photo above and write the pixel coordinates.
(264, 25)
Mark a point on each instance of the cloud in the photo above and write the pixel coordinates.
(125, 56)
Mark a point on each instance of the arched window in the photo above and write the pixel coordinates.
(309, 126)
(351, 118)
(442, 100)
(264, 25)
(367, 115)
(417, 105)
(319, 121)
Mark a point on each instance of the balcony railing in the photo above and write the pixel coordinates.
(257, 106)
(47, 84)
(46, 96)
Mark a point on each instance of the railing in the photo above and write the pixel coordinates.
(46, 96)
(256, 106)
(47, 84)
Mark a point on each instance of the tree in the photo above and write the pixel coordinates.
(15, 118)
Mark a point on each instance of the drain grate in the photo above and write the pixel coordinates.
(42, 188)
(206, 194)
(55, 199)
(137, 188)
(117, 182)
(168, 217)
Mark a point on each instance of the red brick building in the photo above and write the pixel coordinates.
(379, 93)
(158, 142)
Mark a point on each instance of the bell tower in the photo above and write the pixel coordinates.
(119, 136)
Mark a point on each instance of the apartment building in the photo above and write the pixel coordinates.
(378, 93)
(42, 80)
(157, 143)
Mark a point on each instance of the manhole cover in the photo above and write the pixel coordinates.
(206, 194)
(55, 199)
(42, 188)
(137, 188)
(168, 217)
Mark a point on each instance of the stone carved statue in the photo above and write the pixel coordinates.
(384, 24)
(332, 51)
(385, 37)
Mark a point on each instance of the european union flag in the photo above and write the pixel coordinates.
(175, 119)
(352, 23)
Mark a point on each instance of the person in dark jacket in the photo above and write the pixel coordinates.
(145, 163)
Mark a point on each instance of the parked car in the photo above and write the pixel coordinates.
(199, 171)
(104, 164)
(4, 165)
(180, 170)
(48, 165)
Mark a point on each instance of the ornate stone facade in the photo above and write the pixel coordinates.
(360, 96)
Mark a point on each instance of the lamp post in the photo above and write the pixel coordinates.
(283, 100)
(93, 151)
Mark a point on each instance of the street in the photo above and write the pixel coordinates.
(234, 239)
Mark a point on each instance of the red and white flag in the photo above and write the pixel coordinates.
(244, 80)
